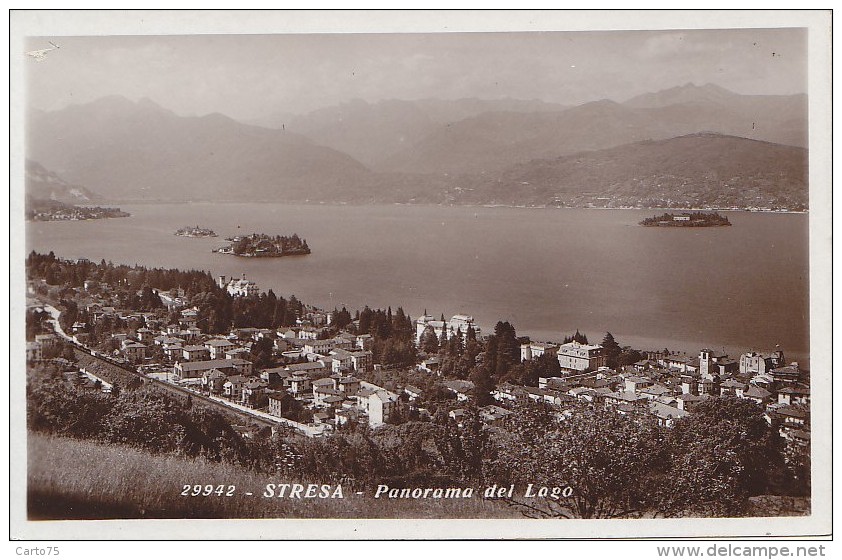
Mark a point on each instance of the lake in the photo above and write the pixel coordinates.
(547, 271)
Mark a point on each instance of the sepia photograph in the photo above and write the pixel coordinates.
(505, 274)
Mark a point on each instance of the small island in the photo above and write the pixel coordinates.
(195, 232)
(687, 219)
(41, 210)
(262, 245)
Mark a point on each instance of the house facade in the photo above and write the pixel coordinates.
(577, 357)
(134, 351)
(217, 347)
(756, 363)
(380, 406)
(533, 350)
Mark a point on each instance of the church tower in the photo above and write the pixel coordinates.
(704, 363)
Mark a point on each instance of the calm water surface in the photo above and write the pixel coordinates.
(548, 271)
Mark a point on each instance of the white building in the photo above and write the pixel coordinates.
(459, 323)
(577, 357)
(757, 363)
(218, 347)
(380, 406)
(239, 287)
(276, 403)
(534, 350)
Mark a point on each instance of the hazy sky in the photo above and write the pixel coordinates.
(246, 76)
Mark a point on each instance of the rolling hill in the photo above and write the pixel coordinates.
(704, 169)
(40, 183)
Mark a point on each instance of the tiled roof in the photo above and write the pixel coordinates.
(795, 390)
(733, 383)
(458, 385)
(759, 392)
(625, 396)
(666, 411)
(208, 364)
(383, 395)
(793, 412)
(219, 342)
(689, 397)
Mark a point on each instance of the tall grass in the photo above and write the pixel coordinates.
(73, 479)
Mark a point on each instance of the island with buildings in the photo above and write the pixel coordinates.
(262, 245)
(195, 232)
(687, 219)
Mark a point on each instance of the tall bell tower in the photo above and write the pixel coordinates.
(704, 362)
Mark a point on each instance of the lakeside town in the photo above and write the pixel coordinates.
(318, 373)
(39, 210)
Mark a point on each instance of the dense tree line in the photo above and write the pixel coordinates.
(133, 288)
(138, 416)
(74, 273)
(36, 323)
(616, 466)
(457, 354)
(707, 465)
(392, 334)
(441, 453)
(576, 337)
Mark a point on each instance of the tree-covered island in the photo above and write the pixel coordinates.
(262, 245)
(195, 232)
(687, 219)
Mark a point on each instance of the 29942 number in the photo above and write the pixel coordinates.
(208, 490)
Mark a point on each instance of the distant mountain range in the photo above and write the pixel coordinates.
(689, 145)
(374, 132)
(128, 150)
(492, 141)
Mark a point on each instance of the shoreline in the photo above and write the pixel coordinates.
(450, 205)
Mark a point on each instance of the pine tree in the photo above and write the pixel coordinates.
(455, 347)
(428, 342)
(612, 350)
(483, 385)
(471, 335)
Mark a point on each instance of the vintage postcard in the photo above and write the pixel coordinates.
(432, 275)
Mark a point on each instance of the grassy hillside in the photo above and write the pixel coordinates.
(73, 479)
